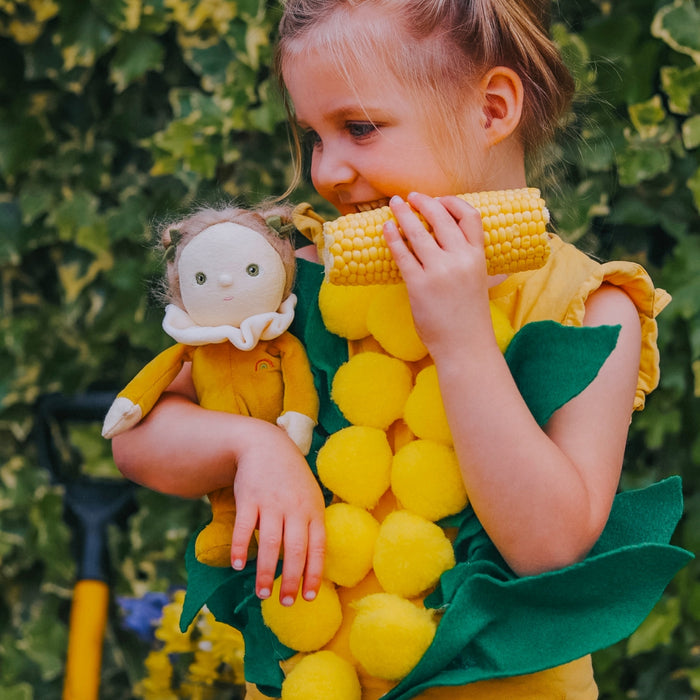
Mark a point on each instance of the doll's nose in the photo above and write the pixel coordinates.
(225, 280)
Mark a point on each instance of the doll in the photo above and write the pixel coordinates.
(229, 282)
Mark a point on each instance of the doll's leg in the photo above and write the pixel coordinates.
(252, 693)
(213, 545)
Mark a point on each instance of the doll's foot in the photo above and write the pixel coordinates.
(213, 544)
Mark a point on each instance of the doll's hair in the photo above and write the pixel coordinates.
(452, 43)
(175, 235)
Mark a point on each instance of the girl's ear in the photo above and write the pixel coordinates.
(502, 92)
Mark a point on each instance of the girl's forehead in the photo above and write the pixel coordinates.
(322, 92)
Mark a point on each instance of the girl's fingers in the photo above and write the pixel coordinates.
(467, 217)
(446, 230)
(315, 556)
(420, 241)
(243, 529)
(403, 256)
(269, 542)
(294, 560)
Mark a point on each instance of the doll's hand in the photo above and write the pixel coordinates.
(277, 494)
(122, 415)
(445, 273)
(299, 427)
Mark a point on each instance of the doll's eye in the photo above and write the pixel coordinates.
(200, 278)
(253, 270)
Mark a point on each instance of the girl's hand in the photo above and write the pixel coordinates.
(445, 273)
(277, 494)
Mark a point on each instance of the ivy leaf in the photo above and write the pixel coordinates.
(136, 55)
(694, 186)
(691, 132)
(678, 24)
(642, 161)
(647, 117)
(682, 87)
(11, 227)
(658, 628)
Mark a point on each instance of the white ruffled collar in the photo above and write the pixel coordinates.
(179, 326)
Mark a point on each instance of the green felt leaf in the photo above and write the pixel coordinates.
(573, 357)
(605, 599)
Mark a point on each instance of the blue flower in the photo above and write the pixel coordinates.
(141, 615)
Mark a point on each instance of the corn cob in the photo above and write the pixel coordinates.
(515, 238)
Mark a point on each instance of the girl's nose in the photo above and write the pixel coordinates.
(225, 280)
(331, 169)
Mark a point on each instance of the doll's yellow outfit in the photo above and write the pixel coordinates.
(260, 370)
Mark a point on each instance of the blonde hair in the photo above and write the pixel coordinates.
(175, 235)
(454, 42)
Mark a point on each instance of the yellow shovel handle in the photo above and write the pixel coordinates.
(88, 618)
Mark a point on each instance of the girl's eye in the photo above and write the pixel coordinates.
(200, 278)
(361, 130)
(253, 270)
(310, 139)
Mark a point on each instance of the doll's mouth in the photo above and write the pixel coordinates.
(228, 298)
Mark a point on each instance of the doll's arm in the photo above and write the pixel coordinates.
(141, 393)
(300, 405)
(187, 451)
(543, 495)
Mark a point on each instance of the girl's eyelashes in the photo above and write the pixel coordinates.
(357, 130)
(310, 138)
(361, 130)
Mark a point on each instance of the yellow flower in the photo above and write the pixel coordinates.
(157, 685)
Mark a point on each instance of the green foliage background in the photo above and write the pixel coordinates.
(117, 113)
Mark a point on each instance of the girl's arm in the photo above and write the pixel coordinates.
(543, 496)
(184, 450)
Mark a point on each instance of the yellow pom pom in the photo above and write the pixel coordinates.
(305, 625)
(426, 478)
(502, 327)
(390, 635)
(390, 321)
(371, 389)
(322, 675)
(424, 411)
(350, 536)
(410, 554)
(344, 309)
(355, 464)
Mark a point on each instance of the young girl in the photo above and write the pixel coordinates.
(408, 102)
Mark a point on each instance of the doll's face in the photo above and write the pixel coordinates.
(229, 273)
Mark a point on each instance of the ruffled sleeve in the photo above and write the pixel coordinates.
(559, 292)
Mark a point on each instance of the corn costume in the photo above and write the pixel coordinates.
(480, 631)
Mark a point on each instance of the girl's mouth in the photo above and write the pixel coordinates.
(376, 204)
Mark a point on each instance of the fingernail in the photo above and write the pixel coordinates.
(287, 601)
(238, 564)
(395, 199)
(309, 596)
(264, 593)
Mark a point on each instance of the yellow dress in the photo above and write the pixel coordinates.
(556, 292)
